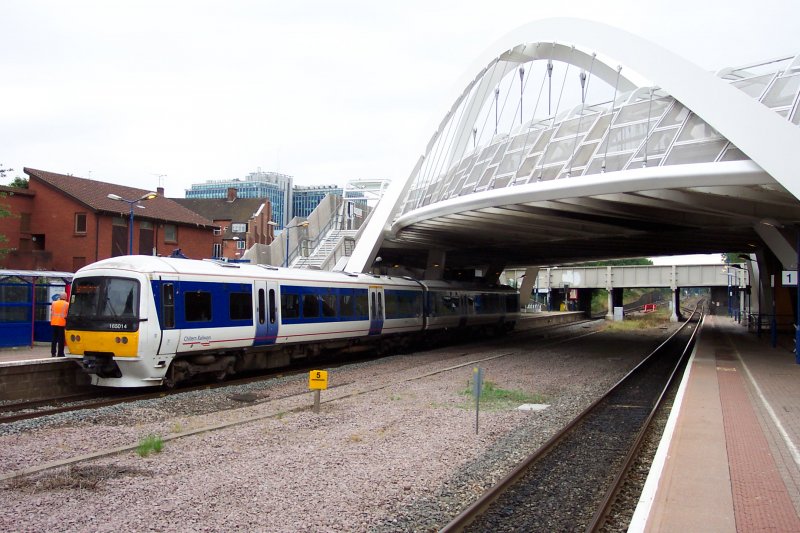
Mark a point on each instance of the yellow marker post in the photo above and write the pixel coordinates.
(317, 381)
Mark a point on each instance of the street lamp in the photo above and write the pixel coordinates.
(131, 203)
(303, 224)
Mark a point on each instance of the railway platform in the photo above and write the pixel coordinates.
(25, 353)
(729, 457)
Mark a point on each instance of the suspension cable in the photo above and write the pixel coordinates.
(553, 117)
(588, 80)
(647, 131)
(611, 122)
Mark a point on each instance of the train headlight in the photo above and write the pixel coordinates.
(124, 340)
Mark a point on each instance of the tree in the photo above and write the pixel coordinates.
(618, 262)
(19, 183)
(732, 257)
(4, 212)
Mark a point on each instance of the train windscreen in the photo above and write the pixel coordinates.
(104, 304)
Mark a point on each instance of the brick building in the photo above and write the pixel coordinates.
(63, 223)
(242, 222)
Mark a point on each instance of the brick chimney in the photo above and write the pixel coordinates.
(231, 194)
(160, 191)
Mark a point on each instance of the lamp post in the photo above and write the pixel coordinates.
(131, 203)
(303, 224)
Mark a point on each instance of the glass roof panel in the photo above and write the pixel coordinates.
(570, 127)
(613, 163)
(643, 110)
(753, 87)
(559, 151)
(599, 128)
(697, 129)
(676, 115)
(783, 91)
(658, 142)
(703, 152)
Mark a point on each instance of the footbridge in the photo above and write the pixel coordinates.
(728, 283)
(573, 141)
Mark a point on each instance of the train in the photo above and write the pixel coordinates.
(139, 321)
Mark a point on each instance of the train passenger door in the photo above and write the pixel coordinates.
(266, 301)
(168, 292)
(376, 313)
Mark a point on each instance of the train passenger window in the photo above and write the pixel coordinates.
(329, 305)
(290, 305)
(346, 301)
(261, 311)
(272, 306)
(392, 304)
(241, 306)
(168, 305)
(310, 306)
(512, 303)
(362, 305)
(197, 306)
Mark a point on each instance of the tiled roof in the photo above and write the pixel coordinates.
(16, 190)
(94, 194)
(239, 210)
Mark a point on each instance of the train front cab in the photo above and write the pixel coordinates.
(109, 325)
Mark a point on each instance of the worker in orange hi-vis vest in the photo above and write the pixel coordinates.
(58, 322)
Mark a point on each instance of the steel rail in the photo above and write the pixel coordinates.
(479, 506)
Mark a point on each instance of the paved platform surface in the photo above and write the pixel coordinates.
(26, 353)
(729, 459)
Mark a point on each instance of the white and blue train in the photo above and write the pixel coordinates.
(138, 321)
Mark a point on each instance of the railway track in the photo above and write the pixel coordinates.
(27, 410)
(556, 340)
(570, 483)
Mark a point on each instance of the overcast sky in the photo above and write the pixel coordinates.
(127, 91)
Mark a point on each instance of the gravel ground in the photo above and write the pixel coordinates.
(402, 456)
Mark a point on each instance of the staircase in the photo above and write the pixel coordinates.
(326, 246)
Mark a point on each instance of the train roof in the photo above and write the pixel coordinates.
(147, 264)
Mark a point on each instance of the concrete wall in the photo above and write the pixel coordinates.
(33, 380)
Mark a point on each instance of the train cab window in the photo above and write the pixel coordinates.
(310, 306)
(241, 306)
(197, 306)
(290, 305)
(261, 311)
(272, 306)
(329, 305)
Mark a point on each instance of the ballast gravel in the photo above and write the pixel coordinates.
(386, 452)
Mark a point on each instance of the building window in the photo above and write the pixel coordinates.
(170, 233)
(240, 245)
(217, 250)
(239, 228)
(25, 222)
(119, 221)
(78, 263)
(80, 223)
(217, 231)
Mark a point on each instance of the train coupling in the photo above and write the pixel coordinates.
(101, 364)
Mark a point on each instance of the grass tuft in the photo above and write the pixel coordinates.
(494, 397)
(149, 444)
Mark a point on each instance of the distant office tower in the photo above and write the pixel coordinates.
(272, 185)
(306, 198)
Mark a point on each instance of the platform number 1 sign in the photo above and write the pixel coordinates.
(789, 277)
